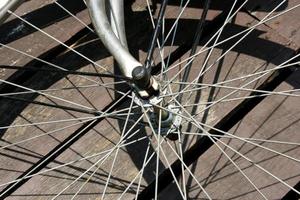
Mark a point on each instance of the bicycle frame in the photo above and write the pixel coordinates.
(107, 17)
(111, 31)
(6, 5)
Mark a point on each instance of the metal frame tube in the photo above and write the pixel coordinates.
(116, 14)
(111, 31)
(97, 9)
(6, 5)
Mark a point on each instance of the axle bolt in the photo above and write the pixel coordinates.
(141, 77)
(144, 84)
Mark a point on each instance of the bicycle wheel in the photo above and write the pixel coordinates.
(222, 126)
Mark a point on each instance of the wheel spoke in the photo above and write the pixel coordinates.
(55, 39)
(231, 88)
(260, 167)
(100, 161)
(74, 16)
(245, 138)
(168, 148)
(202, 50)
(46, 95)
(50, 64)
(117, 151)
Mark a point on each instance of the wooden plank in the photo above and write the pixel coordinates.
(287, 25)
(257, 52)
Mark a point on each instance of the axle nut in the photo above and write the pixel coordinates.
(141, 77)
(144, 84)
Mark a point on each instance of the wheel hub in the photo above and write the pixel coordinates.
(168, 125)
(147, 94)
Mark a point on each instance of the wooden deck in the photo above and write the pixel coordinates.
(276, 117)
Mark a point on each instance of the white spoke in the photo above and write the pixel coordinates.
(46, 95)
(253, 74)
(116, 154)
(57, 150)
(230, 38)
(243, 86)
(121, 141)
(112, 114)
(239, 169)
(260, 167)
(282, 66)
(187, 168)
(203, 49)
(216, 40)
(99, 163)
(88, 119)
(249, 142)
(208, 135)
(245, 138)
(116, 147)
(142, 171)
(210, 52)
(235, 99)
(239, 41)
(231, 88)
(65, 88)
(182, 167)
(45, 134)
(79, 20)
(198, 124)
(265, 72)
(71, 162)
(172, 173)
(173, 37)
(225, 53)
(50, 36)
(159, 148)
(54, 65)
(157, 152)
(175, 22)
(157, 41)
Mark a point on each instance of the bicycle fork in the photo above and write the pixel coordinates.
(108, 19)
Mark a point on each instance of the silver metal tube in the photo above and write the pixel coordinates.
(103, 28)
(116, 14)
(6, 5)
